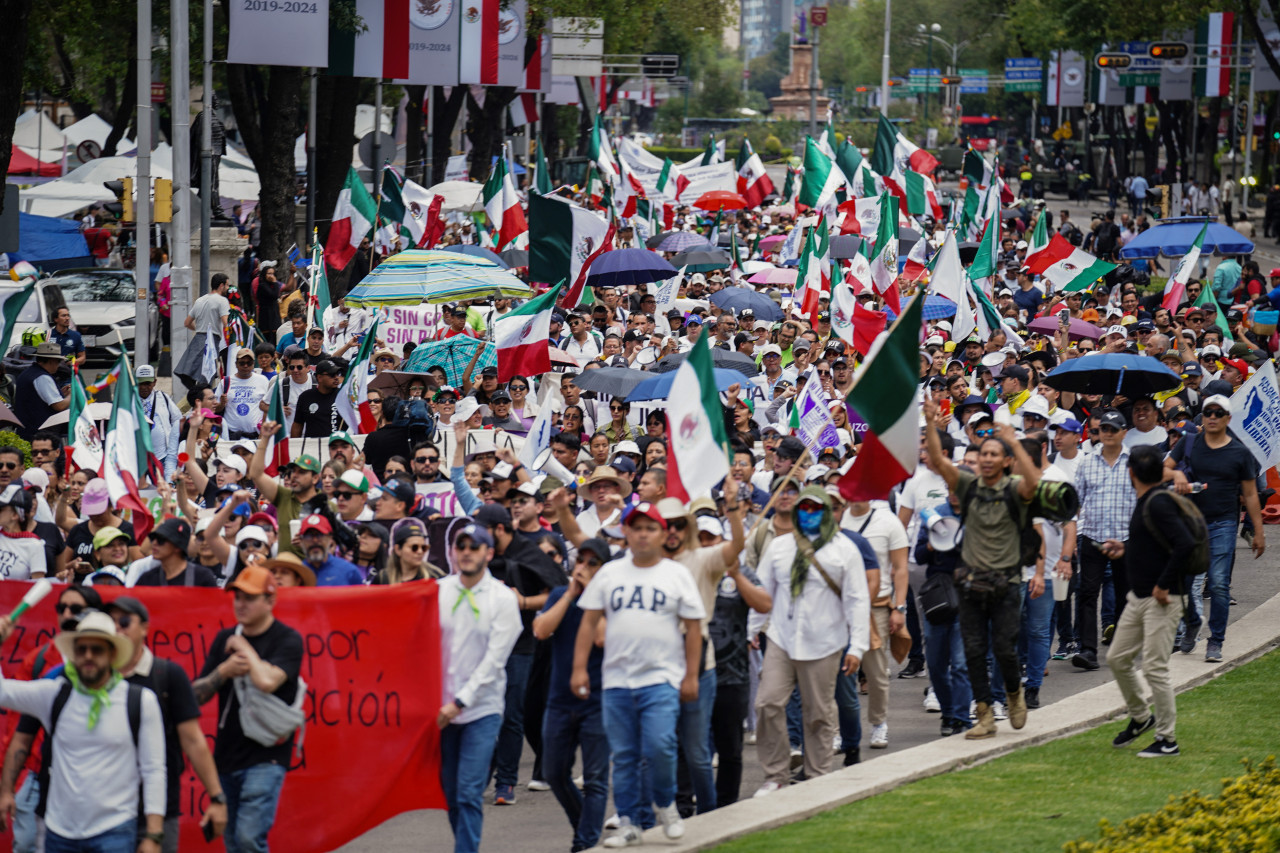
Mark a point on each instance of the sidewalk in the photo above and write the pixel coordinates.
(1250, 637)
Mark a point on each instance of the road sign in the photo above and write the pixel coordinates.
(975, 81)
(818, 16)
(88, 150)
(1023, 74)
(159, 91)
(660, 65)
(924, 80)
(1142, 70)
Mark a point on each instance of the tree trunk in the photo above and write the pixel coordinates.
(336, 102)
(487, 128)
(444, 117)
(128, 101)
(66, 69)
(15, 14)
(415, 147)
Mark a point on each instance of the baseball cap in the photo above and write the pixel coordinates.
(1217, 400)
(502, 395)
(491, 515)
(1069, 425)
(598, 547)
(254, 580)
(145, 373)
(95, 498)
(1190, 368)
(770, 349)
(356, 480)
(106, 535)
(315, 521)
(341, 435)
(1112, 418)
(251, 534)
(129, 604)
(328, 367)
(1238, 363)
(475, 533)
(489, 371)
(693, 320)
(710, 524)
(644, 509)
(1037, 406)
(233, 462)
(399, 490)
(1016, 371)
(307, 462)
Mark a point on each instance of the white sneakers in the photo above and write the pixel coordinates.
(931, 703)
(880, 736)
(626, 836)
(669, 817)
(538, 785)
(999, 710)
(766, 789)
(629, 835)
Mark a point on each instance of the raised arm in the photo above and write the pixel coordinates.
(938, 460)
(267, 486)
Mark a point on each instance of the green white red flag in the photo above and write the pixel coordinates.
(813, 281)
(753, 182)
(127, 457)
(353, 217)
(356, 382)
(1070, 269)
(884, 258)
(821, 178)
(521, 337)
(601, 153)
(695, 423)
(922, 195)
(502, 205)
(1175, 289)
(671, 181)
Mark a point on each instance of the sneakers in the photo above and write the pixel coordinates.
(613, 821)
(1160, 748)
(1187, 644)
(504, 795)
(1133, 731)
(538, 785)
(953, 727)
(931, 703)
(766, 789)
(626, 836)
(750, 738)
(997, 708)
(1017, 709)
(1213, 652)
(669, 817)
(852, 757)
(913, 669)
(1061, 653)
(985, 727)
(797, 759)
(1107, 633)
(880, 736)
(1031, 695)
(1085, 660)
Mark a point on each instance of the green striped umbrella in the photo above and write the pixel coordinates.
(425, 275)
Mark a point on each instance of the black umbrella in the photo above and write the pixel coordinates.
(515, 258)
(653, 241)
(614, 381)
(968, 251)
(845, 246)
(719, 357)
(701, 260)
(1113, 373)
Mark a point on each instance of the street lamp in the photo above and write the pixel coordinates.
(931, 29)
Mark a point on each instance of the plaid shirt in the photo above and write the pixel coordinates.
(1107, 497)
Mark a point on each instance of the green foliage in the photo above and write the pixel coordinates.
(677, 155)
(773, 146)
(12, 439)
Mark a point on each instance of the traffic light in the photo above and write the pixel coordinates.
(122, 207)
(952, 81)
(1168, 50)
(1242, 117)
(164, 206)
(1113, 60)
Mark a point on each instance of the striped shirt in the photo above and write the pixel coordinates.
(1107, 497)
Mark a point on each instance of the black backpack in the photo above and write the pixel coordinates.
(1029, 539)
(1074, 236)
(133, 706)
(1196, 561)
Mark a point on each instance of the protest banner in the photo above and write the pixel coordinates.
(816, 428)
(441, 497)
(371, 749)
(405, 324)
(1255, 416)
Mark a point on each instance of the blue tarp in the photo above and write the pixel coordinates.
(1173, 238)
(45, 238)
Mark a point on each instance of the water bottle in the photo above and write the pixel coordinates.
(1197, 488)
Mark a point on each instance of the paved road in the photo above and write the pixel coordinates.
(535, 824)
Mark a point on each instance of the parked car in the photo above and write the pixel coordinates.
(104, 312)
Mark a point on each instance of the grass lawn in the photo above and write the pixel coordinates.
(1041, 797)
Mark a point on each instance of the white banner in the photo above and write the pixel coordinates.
(817, 428)
(511, 39)
(440, 497)
(433, 42)
(417, 325)
(702, 179)
(456, 168)
(1255, 415)
(279, 32)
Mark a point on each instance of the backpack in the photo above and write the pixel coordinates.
(1075, 236)
(1029, 538)
(133, 707)
(1197, 559)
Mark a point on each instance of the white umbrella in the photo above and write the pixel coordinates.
(459, 195)
(97, 412)
(84, 186)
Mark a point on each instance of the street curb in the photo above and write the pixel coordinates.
(1253, 635)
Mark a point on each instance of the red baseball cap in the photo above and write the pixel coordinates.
(646, 510)
(1238, 363)
(316, 522)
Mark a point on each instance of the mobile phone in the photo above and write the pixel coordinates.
(1064, 316)
(945, 406)
(207, 830)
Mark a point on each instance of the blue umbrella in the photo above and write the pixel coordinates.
(477, 252)
(658, 385)
(682, 241)
(739, 299)
(935, 308)
(1173, 238)
(628, 266)
(453, 354)
(1113, 373)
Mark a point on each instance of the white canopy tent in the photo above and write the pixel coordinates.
(38, 137)
(84, 186)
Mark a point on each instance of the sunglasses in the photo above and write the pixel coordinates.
(824, 372)
(613, 408)
(423, 460)
(253, 545)
(9, 466)
(589, 563)
(344, 496)
(417, 549)
(984, 433)
(75, 609)
(677, 524)
(1215, 413)
(124, 620)
(470, 546)
(373, 400)
(297, 368)
(244, 361)
(518, 387)
(92, 650)
(386, 358)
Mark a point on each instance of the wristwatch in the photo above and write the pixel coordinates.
(462, 706)
(901, 608)
(218, 799)
(155, 837)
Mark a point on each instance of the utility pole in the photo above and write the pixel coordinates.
(142, 186)
(311, 160)
(206, 143)
(884, 60)
(180, 275)
(928, 85)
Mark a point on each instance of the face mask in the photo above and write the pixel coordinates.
(810, 521)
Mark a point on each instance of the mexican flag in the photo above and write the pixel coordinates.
(843, 305)
(630, 191)
(821, 177)
(82, 432)
(948, 279)
(601, 152)
(1070, 269)
(855, 170)
(922, 195)
(712, 154)
(127, 457)
(695, 423)
(541, 183)
(984, 262)
(502, 206)
(713, 233)
(671, 181)
(1216, 32)
(1175, 288)
(521, 337)
(917, 261)
(1220, 320)
(11, 305)
(320, 297)
(563, 237)
(1039, 240)
(790, 187)
(814, 277)
(884, 260)
(894, 154)
(277, 455)
(884, 395)
(478, 48)
(976, 170)
(353, 216)
(354, 385)
(405, 207)
(753, 182)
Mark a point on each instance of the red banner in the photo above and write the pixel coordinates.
(373, 670)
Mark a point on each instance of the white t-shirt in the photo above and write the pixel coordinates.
(925, 490)
(885, 534)
(644, 607)
(243, 396)
(21, 557)
(1134, 438)
(207, 313)
(1050, 532)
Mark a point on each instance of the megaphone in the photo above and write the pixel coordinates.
(944, 530)
(549, 465)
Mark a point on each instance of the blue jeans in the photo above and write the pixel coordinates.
(563, 731)
(466, 751)
(695, 741)
(641, 724)
(948, 671)
(24, 815)
(511, 738)
(795, 720)
(1222, 558)
(849, 709)
(120, 839)
(252, 797)
(1037, 630)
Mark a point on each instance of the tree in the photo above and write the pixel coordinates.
(16, 14)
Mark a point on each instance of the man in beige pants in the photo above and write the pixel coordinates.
(820, 623)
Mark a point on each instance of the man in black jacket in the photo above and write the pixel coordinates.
(1154, 553)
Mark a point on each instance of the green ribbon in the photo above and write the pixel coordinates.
(470, 598)
(100, 695)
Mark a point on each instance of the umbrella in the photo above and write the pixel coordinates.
(1079, 328)
(1113, 373)
(559, 356)
(680, 241)
(739, 299)
(753, 267)
(97, 412)
(968, 251)
(453, 354)
(623, 267)
(459, 196)
(720, 200)
(1173, 238)
(907, 235)
(1011, 213)
(656, 240)
(515, 258)
(701, 260)
(727, 359)
(935, 308)
(477, 252)
(7, 416)
(772, 242)
(657, 386)
(614, 381)
(845, 246)
(427, 275)
(397, 381)
(774, 276)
